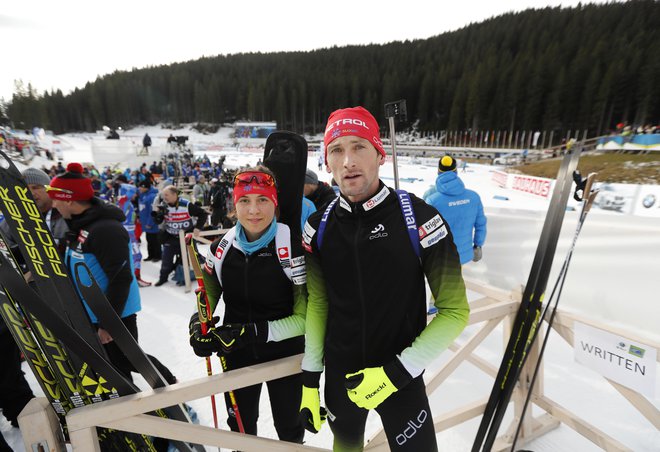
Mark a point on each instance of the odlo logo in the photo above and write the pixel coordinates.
(411, 429)
(378, 232)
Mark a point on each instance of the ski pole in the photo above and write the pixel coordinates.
(203, 313)
(395, 110)
(232, 398)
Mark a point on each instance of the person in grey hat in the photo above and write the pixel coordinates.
(319, 193)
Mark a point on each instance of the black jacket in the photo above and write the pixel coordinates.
(255, 289)
(322, 195)
(367, 298)
(99, 231)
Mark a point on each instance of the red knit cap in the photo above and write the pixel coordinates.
(355, 121)
(72, 185)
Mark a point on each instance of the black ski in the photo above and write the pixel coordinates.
(27, 343)
(587, 197)
(108, 317)
(51, 364)
(37, 245)
(53, 328)
(528, 312)
(285, 155)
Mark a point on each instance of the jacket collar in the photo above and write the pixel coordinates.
(365, 206)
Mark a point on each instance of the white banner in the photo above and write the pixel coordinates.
(629, 363)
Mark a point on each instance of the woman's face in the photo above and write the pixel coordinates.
(255, 213)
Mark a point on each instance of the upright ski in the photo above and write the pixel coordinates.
(528, 312)
(587, 197)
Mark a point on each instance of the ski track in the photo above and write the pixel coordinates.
(163, 321)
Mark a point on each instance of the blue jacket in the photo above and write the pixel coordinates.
(145, 201)
(98, 239)
(462, 209)
(308, 208)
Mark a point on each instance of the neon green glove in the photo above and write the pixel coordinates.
(370, 387)
(312, 414)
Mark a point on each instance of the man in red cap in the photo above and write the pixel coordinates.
(367, 256)
(98, 238)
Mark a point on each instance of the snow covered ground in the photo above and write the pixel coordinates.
(613, 278)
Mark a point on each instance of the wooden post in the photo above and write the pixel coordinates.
(40, 427)
(85, 440)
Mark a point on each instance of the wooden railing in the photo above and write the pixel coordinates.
(495, 306)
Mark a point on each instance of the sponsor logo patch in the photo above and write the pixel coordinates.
(298, 271)
(221, 248)
(82, 236)
(298, 261)
(373, 202)
(434, 237)
(308, 233)
(378, 232)
(430, 226)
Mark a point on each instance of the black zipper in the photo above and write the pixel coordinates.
(363, 333)
(249, 303)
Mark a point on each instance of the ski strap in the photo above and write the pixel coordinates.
(293, 267)
(324, 222)
(408, 217)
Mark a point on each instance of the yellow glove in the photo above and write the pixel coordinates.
(312, 414)
(370, 387)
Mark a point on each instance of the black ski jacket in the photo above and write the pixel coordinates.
(322, 195)
(99, 231)
(367, 300)
(255, 288)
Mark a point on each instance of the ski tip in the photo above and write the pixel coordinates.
(5, 161)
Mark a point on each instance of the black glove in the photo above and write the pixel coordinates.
(476, 254)
(203, 344)
(234, 336)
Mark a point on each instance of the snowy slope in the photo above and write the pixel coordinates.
(514, 226)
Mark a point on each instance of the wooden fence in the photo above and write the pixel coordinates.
(127, 413)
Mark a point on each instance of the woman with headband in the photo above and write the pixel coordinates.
(262, 286)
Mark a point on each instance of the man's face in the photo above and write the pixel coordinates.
(354, 163)
(170, 197)
(64, 208)
(41, 198)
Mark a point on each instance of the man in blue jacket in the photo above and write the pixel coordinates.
(461, 208)
(145, 201)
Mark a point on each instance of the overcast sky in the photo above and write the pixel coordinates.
(68, 43)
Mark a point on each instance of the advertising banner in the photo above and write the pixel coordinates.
(617, 198)
(629, 363)
(647, 203)
(538, 186)
(500, 178)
